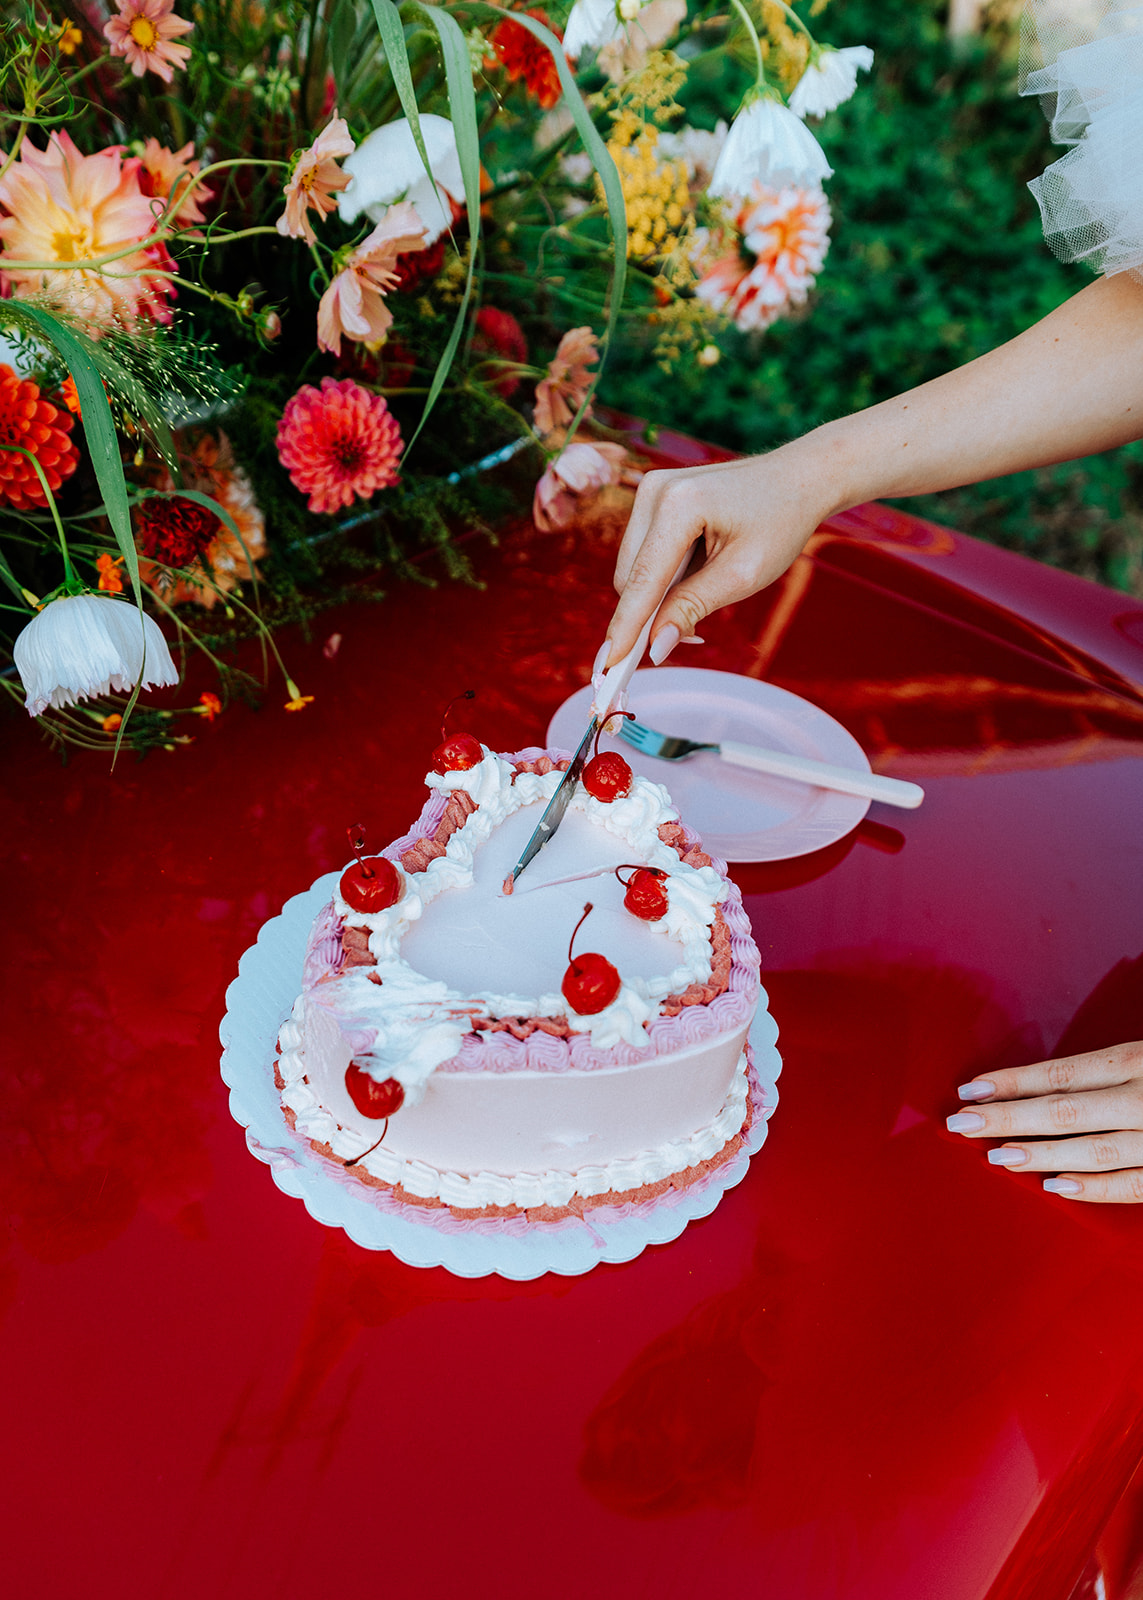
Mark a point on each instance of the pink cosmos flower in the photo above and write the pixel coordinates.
(316, 178)
(142, 34)
(354, 303)
(166, 171)
(579, 470)
(560, 395)
(337, 442)
(783, 237)
(64, 206)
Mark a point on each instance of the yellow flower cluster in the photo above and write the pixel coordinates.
(655, 191)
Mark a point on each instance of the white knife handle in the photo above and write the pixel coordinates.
(609, 696)
(892, 791)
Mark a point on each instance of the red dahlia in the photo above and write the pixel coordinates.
(175, 531)
(499, 334)
(415, 267)
(522, 55)
(35, 425)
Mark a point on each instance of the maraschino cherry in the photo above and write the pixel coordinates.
(373, 1099)
(646, 895)
(373, 883)
(608, 776)
(460, 752)
(591, 982)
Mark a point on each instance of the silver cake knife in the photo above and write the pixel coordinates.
(608, 699)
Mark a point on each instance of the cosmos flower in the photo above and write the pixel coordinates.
(166, 171)
(64, 206)
(35, 425)
(768, 144)
(354, 304)
(560, 395)
(829, 79)
(646, 28)
(88, 644)
(578, 472)
(591, 24)
(315, 180)
(522, 55)
(338, 442)
(780, 244)
(387, 167)
(143, 34)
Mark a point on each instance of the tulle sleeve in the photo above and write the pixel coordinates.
(1084, 58)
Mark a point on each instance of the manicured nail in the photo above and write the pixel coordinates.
(663, 643)
(964, 1122)
(1007, 1157)
(601, 660)
(979, 1089)
(692, 638)
(1063, 1186)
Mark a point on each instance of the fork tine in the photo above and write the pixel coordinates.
(634, 733)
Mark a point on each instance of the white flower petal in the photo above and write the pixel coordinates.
(387, 167)
(591, 24)
(830, 80)
(88, 644)
(768, 144)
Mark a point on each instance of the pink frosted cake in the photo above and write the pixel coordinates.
(444, 1015)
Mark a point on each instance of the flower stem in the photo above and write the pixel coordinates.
(761, 80)
(795, 19)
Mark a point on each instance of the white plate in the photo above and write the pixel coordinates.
(259, 1001)
(740, 815)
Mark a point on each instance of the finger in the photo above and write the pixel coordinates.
(1097, 1069)
(1120, 1188)
(1103, 1152)
(640, 520)
(1091, 1111)
(655, 564)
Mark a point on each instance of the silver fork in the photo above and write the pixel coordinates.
(870, 785)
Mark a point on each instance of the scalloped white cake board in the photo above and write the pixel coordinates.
(259, 1001)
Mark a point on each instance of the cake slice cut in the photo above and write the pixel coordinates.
(486, 1092)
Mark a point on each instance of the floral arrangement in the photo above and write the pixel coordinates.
(263, 273)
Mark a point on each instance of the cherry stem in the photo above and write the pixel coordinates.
(372, 1147)
(629, 866)
(469, 694)
(575, 930)
(356, 836)
(630, 715)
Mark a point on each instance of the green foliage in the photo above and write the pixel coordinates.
(937, 256)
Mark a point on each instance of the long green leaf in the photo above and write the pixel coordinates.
(99, 431)
(392, 31)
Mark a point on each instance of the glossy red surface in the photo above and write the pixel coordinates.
(882, 1370)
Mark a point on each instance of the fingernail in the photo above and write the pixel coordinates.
(964, 1122)
(692, 638)
(663, 643)
(1063, 1186)
(1007, 1157)
(979, 1089)
(600, 660)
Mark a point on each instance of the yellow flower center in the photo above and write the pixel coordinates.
(144, 32)
(72, 244)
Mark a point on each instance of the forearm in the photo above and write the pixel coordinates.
(1070, 386)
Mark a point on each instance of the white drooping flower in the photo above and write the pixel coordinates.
(87, 644)
(700, 148)
(591, 24)
(387, 167)
(830, 79)
(768, 144)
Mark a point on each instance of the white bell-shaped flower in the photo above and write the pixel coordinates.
(768, 144)
(87, 644)
(830, 79)
(591, 24)
(387, 167)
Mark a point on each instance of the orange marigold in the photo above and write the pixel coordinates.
(29, 423)
(110, 578)
(522, 55)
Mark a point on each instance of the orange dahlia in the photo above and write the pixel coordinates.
(35, 425)
(522, 55)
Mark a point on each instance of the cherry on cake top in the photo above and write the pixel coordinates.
(607, 776)
(460, 752)
(372, 883)
(591, 983)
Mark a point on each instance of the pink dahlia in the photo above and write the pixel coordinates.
(61, 206)
(143, 34)
(338, 441)
(781, 244)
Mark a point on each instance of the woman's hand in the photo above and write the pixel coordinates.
(752, 516)
(1080, 1117)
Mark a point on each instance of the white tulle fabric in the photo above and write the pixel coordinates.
(1084, 58)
